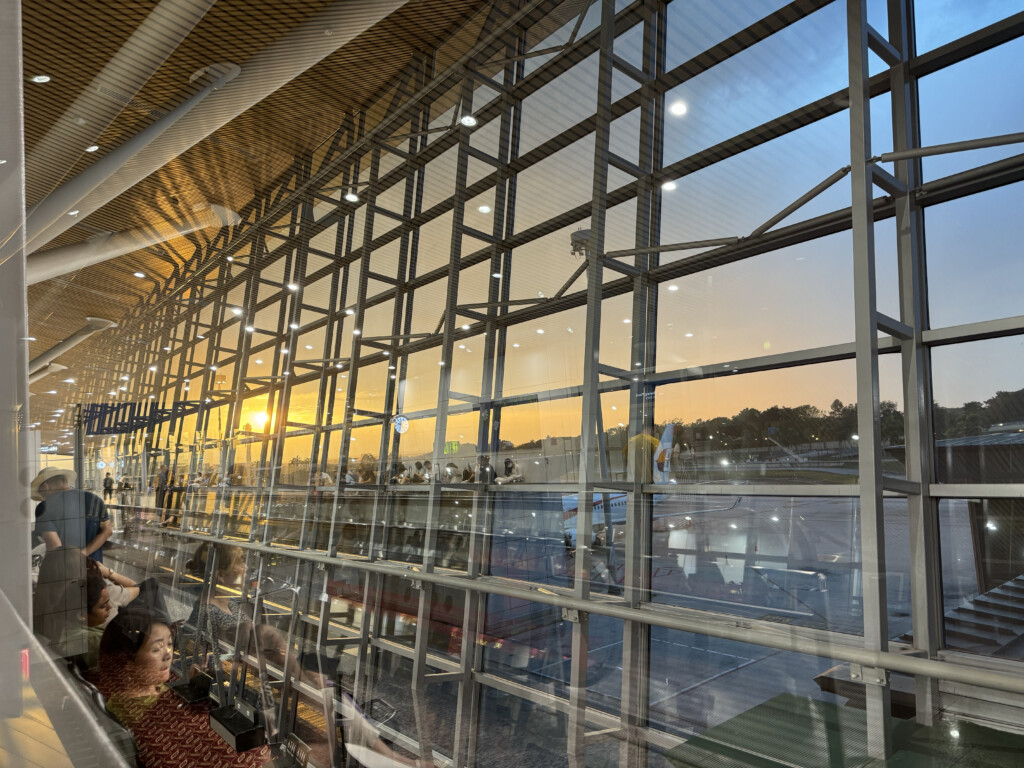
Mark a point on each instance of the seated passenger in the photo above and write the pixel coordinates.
(512, 473)
(135, 666)
(80, 639)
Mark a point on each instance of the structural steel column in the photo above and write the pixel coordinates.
(589, 443)
(922, 510)
(15, 465)
(636, 636)
(872, 510)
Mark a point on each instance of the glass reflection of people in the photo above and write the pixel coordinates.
(640, 452)
(485, 471)
(511, 474)
(226, 610)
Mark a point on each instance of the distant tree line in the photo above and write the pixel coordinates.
(805, 425)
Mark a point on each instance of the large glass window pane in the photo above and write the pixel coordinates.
(978, 411)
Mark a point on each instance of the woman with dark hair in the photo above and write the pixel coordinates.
(135, 666)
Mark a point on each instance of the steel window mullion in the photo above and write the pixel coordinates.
(872, 511)
(926, 588)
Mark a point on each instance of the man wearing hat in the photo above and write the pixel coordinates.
(67, 517)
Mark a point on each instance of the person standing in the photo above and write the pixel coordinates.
(161, 487)
(69, 518)
(108, 488)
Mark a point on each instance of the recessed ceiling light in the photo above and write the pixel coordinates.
(40, 78)
(688, 335)
(69, 381)
(496, 275)
(231, 258)
(356, 332)
(309, 346)
(540, 330)
(484, 209)
(51, 392)
(678, 108)
(73, 213)
(352, 197)
(3, 162)
(673, 287)
(467, 120)
(249, 328)
(167, 349)
(92, 147)
(627, 321)
(259, 362)
(213, 367)
(292, 287)
(669, 186)
(350, 311)
(293, 326)
(152, 368)
(516, 346)
(140, 274)
(236, 311)
(465, 327)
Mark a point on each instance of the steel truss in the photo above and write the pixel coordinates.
(189, 330)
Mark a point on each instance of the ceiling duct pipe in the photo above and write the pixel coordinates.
(45, 371)
(92, 325)
(112, 90)
(276, 65)
(49, 217)
(70, 258)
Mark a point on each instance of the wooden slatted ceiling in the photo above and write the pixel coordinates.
(71, 41)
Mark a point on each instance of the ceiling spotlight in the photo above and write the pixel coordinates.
(516, 346)
(73, 213)
(678, 108)
(350, 311)
(669, 186)
(236, 310)
(351, 197)
(92, 148)
(40, 79)
(467, 120)
(292, 287)
(484, 209)
(496, 275)
(152, 368)
(309, 346)
(259, 362)
(249, 328)
(465, 327)
(231, 258)
(673, 287)
(167, 349)
(293, 326)
(69, 381)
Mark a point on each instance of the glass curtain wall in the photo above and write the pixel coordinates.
(637, 384)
